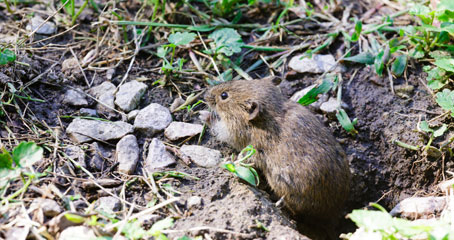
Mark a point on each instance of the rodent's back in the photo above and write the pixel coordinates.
(307, 166)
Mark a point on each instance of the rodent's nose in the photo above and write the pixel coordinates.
(209, 98)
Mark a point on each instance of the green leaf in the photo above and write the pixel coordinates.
(424, 126)
(202, 28)
(162, 52)
(399, 65)
(358, 26)
(134, 230)
(229, 166)
(246, 174)
(436, 77)
(446, 100)
(364, 57)
(344, 120)
(445, 63)
(371, 220)
(160, 225)
(311, 96)
(181, 38)
(74, 218)
(440, 131)
(379, 63)
(445, 10)
(438, 54)
(417, 52)
(7, 56)
(6, 161)
(419, 9)
(227, 41)
(27, 153)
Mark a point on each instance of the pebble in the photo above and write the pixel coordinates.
(75, 98)
(105, 94)
(202, 156)
(317, 64)
(417, 207)
(158, 157)
(132, 115)
(194, 201)
(100, 154)
(70, 65)
(152, 119)
(77, 232)
(48, 28)
(330, 106)
(17, 233)
(108, 204)
(4, 79)
(129, 95)
(89, 112)
(177, 130)
(76, 153)
(50, 207)
(127, 153)
(83, 130)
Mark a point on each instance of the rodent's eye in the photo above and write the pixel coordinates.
(224, 95)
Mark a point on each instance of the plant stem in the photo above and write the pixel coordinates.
(15, 194)
(8, 7)
(79, 12)
(406, 145)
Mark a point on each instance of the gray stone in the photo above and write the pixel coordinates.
(108, 204)
(50, 207)
(76, 233)
(330, 106)
(77, 154)
(88, 112)
(75, 98)
(47, 28)
(102, 89)
(152, 119)
(17, 233)
(177, 130)
(127, 154)
(4, 79)
(194, 201)
(158, 157)
(132, 115)
(416, 207)
(83, 130)
(109, 73)
(70, 65)
(129, 95)
(202, 156)
(100, 154)
(316, 64)
(105, 95)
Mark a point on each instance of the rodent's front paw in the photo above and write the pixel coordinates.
(205, 116)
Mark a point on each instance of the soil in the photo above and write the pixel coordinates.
(382, 171)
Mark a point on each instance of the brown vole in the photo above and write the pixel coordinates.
(300, 158)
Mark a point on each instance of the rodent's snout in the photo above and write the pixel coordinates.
(209, 98)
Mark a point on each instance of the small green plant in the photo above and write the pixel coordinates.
(380, 224)
(18, 164)
(175, 39)
(7, 56)
(70, 8)
(224, 8)
(244, 170)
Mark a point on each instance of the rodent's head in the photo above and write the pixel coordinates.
(245, 100)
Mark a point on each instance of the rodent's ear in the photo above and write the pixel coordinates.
(275, 80)
(254, 110)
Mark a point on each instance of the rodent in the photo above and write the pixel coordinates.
(298, 155)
